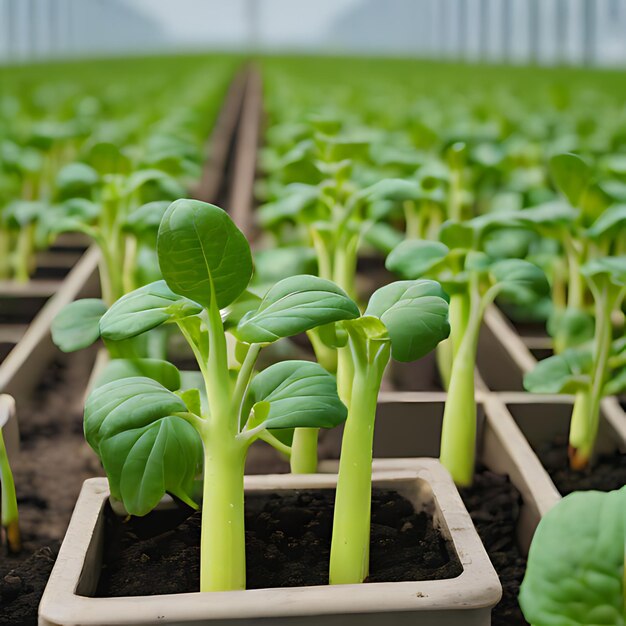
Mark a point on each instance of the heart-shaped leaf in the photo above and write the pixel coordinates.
(145, 449)
(415, 258)
(571, 175)
(78, 324)
(575, 571)
(415, 314)
(300, 394)
(144, 309)
(76, 179)
(519, 280)
(202, 251)
(161, 371)
(562, 373)
(295, 305)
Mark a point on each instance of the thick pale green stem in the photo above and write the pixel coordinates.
(325, 356)
(579, 425)
(414, 220)
(581, 447)
(344, 263)
(458, 436)
(217, 378)
(304, 451)
(349, 553)
(23, 259)
(222, 543)
(446, 351)
(5, 252)
(455, 199)
(8, 502)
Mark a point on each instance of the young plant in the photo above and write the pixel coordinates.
(589, 372)
(575, 573)
(9, 515)
(152, 439)
(404, 320)
(474, 281)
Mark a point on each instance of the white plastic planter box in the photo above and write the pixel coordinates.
(501, 446)
(464, 601)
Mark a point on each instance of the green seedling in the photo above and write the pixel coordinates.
(9, 515)
(404, 320)
(473, 280)
(575, 572)
(153, 439)
(590, 372)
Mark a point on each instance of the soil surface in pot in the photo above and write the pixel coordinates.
(49, 472)
(608, 471)
(494, 505)
(287, 545)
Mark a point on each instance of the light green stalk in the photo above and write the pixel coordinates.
(349, 554)
(447, 349)
(586, 411)
(222, 544)
(304, 451)
(23, 255)
(458, 436)
(8, 502)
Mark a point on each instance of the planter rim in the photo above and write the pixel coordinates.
(477, 587)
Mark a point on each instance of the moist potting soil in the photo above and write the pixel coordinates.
(287, 545)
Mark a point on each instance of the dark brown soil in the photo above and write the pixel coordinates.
(607, 472)
(53, 463)
(494, 505)
(287, 545)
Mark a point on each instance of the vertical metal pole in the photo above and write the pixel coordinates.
(562, 27)
(589, 32)
(507, 30)
(483, 30)
(11, 30)
(252, 25)
(534, 35)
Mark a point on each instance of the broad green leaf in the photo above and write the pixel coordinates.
(571, 175)
(610, 223)
(298, 198)
(395, 189)
(519, 281)
(548, 217)
(414, 258)
(299, 394)
(77, 325)
(244, 304)
(575, 570)
(147, 217)
(415, 314)
(202, 251)
(613, 268)
(76, 179)
(562, 373)
(145, 449)
(573, 326)
(162, 372)
(293, 306)
(144, 309)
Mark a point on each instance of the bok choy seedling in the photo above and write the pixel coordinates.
(575, 573)
(9, 515)
(153, 437)
(473, 280)
(404, 320)
(589, 371)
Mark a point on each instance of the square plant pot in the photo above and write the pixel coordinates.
(409, 425)
(544, 418)
(34, 349)
(465, 600)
